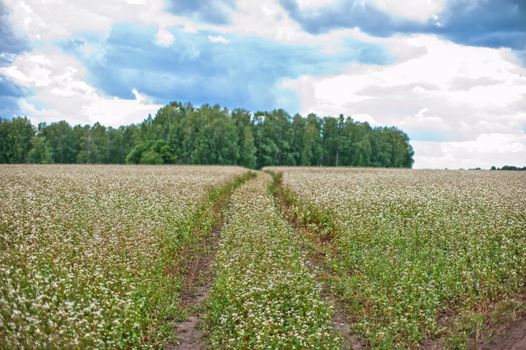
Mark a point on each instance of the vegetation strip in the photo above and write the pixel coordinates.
(264, 296)
(91, 257)
(198, 259)
(418, 256)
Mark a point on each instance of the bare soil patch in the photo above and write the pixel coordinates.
(196, 287)
(510, 334)
(513, 338)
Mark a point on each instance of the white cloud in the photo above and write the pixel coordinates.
(416, 10)
(364, 117)
(267, 19)
(117, 111)
(486, 150)
(59, 19)
(436, 90)
(55, 19)
(422, 122)
(164, 38)
(61, 92)
(270, 20)
(314, 4)
(218, 39)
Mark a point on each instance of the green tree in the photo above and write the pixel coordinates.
(333, 140)
(16, 134)
(274, 138)
(151, 152)
(298, 140)
(93, 145)
(151, 157)
(62, 142)
(247, 147)
(313, 148)
(40, 152)
(5, 126)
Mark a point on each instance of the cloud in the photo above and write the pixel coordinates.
(164, 38)
(91, 72)
(117, 112)
(57, 20)
(9, 95)
(218, 39)
(60, 92)
(423, 126)
(313, 4)
(486, 23)
(12, 43)
(9, 88)
(418, 10)
(492, 149)
(444, 95)
(343, 14)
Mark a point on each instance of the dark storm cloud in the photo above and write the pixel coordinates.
(497, 23)
(489, 23)
(215, 11)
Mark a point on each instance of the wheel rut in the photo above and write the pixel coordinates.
(341, 319)
(195, 291)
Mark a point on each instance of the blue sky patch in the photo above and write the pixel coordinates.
(427, 136)
(213, 11)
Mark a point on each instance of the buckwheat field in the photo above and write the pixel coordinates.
(87, 253)
(194, 257)
(411, 249)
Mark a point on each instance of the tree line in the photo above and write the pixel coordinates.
(509, 168)
(183, 134)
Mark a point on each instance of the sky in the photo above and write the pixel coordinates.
(450, 73)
